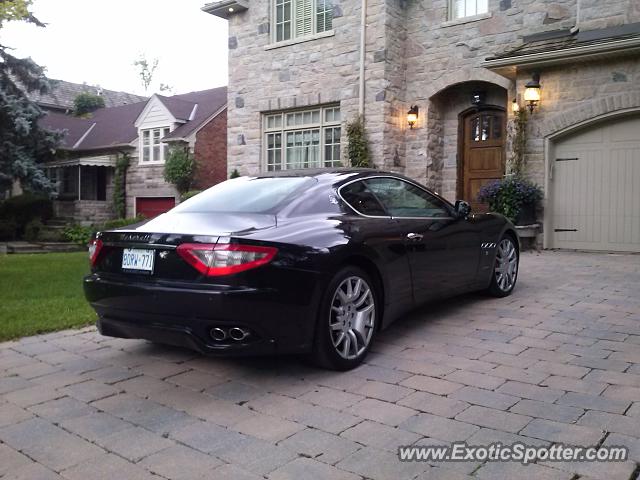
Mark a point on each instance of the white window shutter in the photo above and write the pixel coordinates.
(304, 17)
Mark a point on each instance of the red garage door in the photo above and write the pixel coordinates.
(153, 206)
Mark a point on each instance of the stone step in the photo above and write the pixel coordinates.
(58, 222)
(43, 247)
(27, 251)
(61, 247)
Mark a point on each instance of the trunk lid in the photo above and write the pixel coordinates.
(159, 238)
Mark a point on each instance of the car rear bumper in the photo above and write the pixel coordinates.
(184, 315)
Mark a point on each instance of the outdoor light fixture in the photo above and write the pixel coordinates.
(478, 98)
(515, 106)
(412, 116)
(532, 92)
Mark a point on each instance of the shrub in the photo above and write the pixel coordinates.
(33, 229)
(179, 168)
(50, 235)
(8, 229)
(121, 222)
(509, 195)
(78, 234)
(82, 234)
(21, 209)
(119, 187)
(86, 103)
(235, 173)
(358, 145)
(189, 194)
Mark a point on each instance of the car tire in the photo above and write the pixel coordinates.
(505, 269)
(347, 320)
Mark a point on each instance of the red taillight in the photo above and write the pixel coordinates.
(224, 259)
(94, 251)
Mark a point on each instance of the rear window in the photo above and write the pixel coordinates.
(245, 195)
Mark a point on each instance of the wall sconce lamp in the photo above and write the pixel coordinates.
(532, 92)
(515, 107)
(412, 116)
(478, 98)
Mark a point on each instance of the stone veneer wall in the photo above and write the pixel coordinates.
(310, 73)
(577, 93)
(413, 54)
(84, 212)
(146, 181)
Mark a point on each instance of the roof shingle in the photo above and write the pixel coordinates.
(62, 95)
(115, 126)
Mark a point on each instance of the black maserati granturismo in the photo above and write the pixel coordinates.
(295, 262)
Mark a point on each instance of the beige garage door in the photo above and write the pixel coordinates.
(596, 188)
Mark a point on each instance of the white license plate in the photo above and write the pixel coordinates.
(138, 260)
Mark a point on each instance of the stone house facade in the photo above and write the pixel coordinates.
(463, 64)
(84, 169)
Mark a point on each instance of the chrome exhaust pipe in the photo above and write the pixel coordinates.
(218, 334)
(238, 334)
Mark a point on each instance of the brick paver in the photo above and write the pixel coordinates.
(558, 361)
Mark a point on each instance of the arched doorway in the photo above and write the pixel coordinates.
(481, 156)
(449, 155)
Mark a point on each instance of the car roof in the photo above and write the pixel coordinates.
(316, 172)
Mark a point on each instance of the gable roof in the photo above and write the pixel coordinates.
(62, 95)
(206, 102)
(107, 127)
(180, 109)
(74, 127)
(115, 127)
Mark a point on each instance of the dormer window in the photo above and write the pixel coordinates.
(467, 8)
(301, 18)
(152, 149)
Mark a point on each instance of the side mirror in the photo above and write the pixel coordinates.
(463, 209)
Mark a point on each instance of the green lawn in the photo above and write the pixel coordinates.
(42, 293)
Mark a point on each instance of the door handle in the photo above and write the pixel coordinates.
(414, 237)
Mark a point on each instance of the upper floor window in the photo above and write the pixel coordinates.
(303, 138)
(301, 18)
(468, 8)
(153, 150)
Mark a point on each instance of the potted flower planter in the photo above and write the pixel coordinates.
(526, 215)
(514, 197)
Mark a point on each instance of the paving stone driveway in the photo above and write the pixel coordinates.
(559, 361)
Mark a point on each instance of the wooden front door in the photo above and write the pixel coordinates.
(483, 155)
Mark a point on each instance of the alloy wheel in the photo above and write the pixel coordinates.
(506, 269)
(352, 317)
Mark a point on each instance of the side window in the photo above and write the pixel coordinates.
(361, 199)
(467, 8)
(403, 199)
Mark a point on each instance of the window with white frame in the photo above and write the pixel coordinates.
(152, 148)
(303, 138)
(467, 8)
(301, 18)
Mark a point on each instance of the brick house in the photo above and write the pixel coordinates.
(85, 163)
(300, 69)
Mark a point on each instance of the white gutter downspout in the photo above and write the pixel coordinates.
(576, 27)
(363, 42)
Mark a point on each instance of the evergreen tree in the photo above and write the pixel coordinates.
(23, 144)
